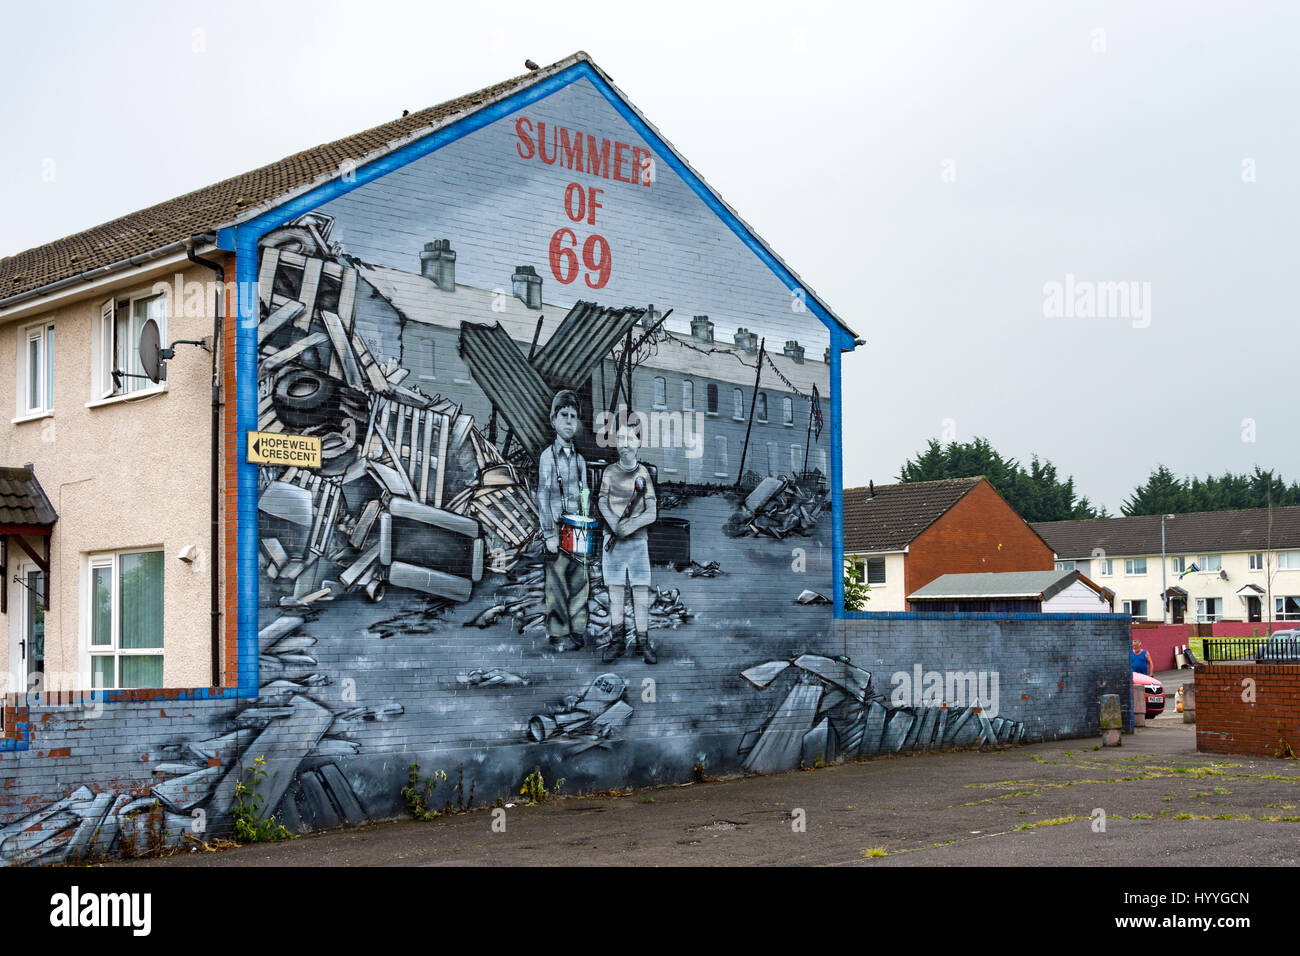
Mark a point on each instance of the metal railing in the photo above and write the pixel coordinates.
(1220, 649)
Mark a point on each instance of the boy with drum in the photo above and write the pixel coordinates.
(562, 490)
(627, 502)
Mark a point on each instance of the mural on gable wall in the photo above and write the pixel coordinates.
(575, 463)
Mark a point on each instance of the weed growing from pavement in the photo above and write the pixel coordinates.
(250, 827)
(874, 852)
(419, 791)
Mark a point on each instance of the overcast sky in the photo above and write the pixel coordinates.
(929, 169)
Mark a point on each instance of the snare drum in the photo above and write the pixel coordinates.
(578, 536)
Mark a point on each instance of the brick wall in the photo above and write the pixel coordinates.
(980, 533)
(1248, 709)
(113, 762)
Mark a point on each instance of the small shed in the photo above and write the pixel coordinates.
(1011, 592)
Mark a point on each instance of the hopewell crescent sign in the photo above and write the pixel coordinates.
(273, 448)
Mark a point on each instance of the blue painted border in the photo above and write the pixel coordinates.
(243, 240)
(977, 616)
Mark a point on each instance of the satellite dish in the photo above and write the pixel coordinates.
(151, 352)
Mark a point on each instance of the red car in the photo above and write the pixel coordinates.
(1155, 693)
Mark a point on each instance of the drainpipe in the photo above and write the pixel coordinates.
(214, 546)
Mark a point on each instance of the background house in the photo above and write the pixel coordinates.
(1241, 566)
(901, 537)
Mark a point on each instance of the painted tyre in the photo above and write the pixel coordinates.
(302, 397)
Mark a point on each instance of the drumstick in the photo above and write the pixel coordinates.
(638, 492)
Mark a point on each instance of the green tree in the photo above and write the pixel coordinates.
(1036, 493)
(1165, 493)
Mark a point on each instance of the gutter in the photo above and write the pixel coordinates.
(214, 545)
(100, 272)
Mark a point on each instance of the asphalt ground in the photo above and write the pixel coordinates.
(1153, 802)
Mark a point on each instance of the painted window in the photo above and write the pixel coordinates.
(796, 458)
(737, 404)
(787, 412)
(688, 395)
(429, 359)
(712, 396)
(125, 607)
(661, 393)
(773, 459)
(760, 407)
(36, 370)
(720, 466)
(1135, 566)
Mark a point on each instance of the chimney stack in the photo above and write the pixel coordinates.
(702, 329)
(526, 285)
(438, 262)
(793, 350)
(747, 340)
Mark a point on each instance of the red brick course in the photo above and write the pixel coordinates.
(1248, 709)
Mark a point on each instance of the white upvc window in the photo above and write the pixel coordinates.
(120, 324)
(1066, 565)
(1288, 560)
(1211, 562)
(1286, 608)
(1136, 609)
(1257, 561)
(36, 370)
(1135, 566)
(1207, 609)
(1107, 567)
(1178, 565)
(124, 619)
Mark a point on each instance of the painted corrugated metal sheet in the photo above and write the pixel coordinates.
(584, 337)
(513, 386)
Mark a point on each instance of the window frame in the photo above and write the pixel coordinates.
(42, 335)
(1130, 567)
(711, 399)
(659, 392)
(884, 570)
(737, 405)
(1205, 563)
(787, 411)
(1178, 564)
(688, 395)
(103, 389)
(1106, 567)
(89, 650)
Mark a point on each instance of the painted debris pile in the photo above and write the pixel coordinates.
(300, 739)
(778, 507)
(831, 712)
(580, 723)
(404, 475)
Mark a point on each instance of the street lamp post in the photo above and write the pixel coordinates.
(1164, 588)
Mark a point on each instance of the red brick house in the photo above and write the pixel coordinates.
(902, 537)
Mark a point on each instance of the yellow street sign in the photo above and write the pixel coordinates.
(287, 451)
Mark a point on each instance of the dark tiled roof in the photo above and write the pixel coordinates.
(1203, 532)
(213, 206)
(898, 513)
(22, 500)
